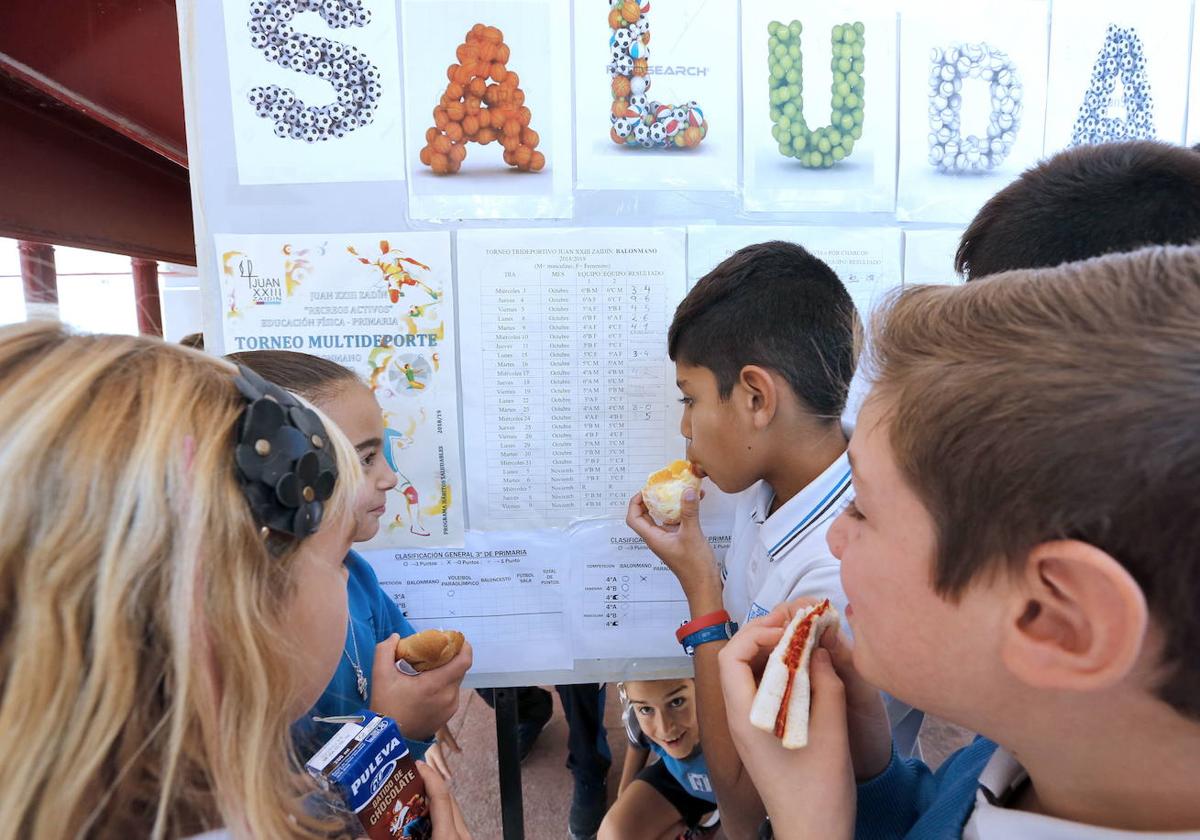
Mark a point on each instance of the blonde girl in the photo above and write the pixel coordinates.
(163, 618)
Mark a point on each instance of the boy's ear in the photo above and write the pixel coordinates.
(1079, 622)
(760, 394)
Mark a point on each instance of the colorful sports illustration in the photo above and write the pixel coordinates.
(377, 304)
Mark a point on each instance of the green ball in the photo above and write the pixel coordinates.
(793, 76)
(852, 101)
(844, 51)
(848, 144)
(834, 136)
(838, 31)
(856, 132)
(850, 36)
(856, 65)
(775, 112)
(856, 50)
(799, 142)
(777, 72)
(854, 79)
(814, 158)
(785, 150)
(838, 153)
(795, 27)
(846, 122)
(824, 145)
(784, 123)
(793, 91)
(842, 88)
(859, 28)
(794, 52)
(789, 109)
(838, 102)
(845, 65)
(786, 63)
(827, 161)
(858, 116)
(773, 27)
(780, 51)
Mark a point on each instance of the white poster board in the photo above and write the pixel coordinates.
(533, 38)
(929, 256)
(382, 305)
(676, 38)
(1193, 122)
(567, 391)
(315, 91)
(972, 103)
(784, 160)
(1115, 68)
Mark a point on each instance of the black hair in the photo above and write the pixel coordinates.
(777, 306)
(1086, 202)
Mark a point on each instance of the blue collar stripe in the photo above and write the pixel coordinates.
(821, 506)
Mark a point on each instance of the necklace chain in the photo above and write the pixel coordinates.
(355, 663)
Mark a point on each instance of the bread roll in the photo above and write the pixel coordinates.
(663, 493)
(429, 649)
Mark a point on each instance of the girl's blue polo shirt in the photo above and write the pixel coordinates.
(375, 617)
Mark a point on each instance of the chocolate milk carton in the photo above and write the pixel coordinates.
(370, 767)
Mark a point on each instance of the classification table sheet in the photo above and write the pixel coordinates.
(567, 388)
(505, 592)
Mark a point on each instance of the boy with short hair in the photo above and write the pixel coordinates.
(1083, 203)
(1021, 559)
(764, 348)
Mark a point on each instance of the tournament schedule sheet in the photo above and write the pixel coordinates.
(566, 381)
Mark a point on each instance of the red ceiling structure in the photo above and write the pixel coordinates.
(92, 146)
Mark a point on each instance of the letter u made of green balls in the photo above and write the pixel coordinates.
(825, 146)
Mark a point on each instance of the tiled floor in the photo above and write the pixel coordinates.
(545, 782)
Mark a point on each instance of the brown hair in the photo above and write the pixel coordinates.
(311, 377)
(1059, 404)
(1083, 203)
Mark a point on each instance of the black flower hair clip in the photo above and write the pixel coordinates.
(284, 458)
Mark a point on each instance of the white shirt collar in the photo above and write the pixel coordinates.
(787, 525)
(991, 820)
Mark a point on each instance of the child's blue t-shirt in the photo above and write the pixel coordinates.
(374, 617)
(691, 773)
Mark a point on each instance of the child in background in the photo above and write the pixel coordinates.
(367, 675)
(672, 797)
(764, 351)
(1040, 589)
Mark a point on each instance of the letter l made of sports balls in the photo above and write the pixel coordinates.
(638, 121)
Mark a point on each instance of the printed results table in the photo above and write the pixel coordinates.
(567, 399)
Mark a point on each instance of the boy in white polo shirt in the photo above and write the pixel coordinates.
(764, 351)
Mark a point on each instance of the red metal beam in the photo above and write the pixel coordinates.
(116, 61)
(39, 278)
(69, 180)
(146, 297)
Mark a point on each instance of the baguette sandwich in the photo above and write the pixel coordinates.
(781, 704)
(429, 649)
